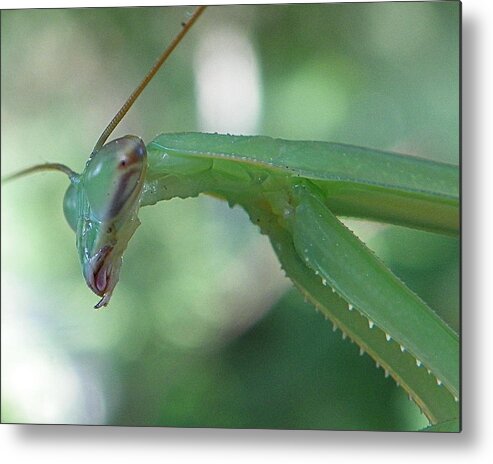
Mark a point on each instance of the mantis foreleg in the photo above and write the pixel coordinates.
(313, 247)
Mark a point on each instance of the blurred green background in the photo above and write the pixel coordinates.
(204, 330)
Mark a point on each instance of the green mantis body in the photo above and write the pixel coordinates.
(294, 191)
(291, 199)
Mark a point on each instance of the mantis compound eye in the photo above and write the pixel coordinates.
(110, 189)
(70, 206)
(113, 175)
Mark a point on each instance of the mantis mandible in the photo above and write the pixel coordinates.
(294, 192)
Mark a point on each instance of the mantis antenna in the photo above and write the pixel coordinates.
(155, 68)
(42, 167)
(123, 110)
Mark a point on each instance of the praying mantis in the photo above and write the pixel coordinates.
(294, 191)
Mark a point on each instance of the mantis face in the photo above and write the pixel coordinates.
(102, 203)
(101, 206)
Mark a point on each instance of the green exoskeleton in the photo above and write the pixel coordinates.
(101, 206)
(294, 191)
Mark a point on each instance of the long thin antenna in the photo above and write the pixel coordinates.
(41, 167)
(155, 68)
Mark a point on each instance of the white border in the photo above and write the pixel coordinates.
(56, 444)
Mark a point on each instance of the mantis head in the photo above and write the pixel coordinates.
(102, 203)
(101, 206)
